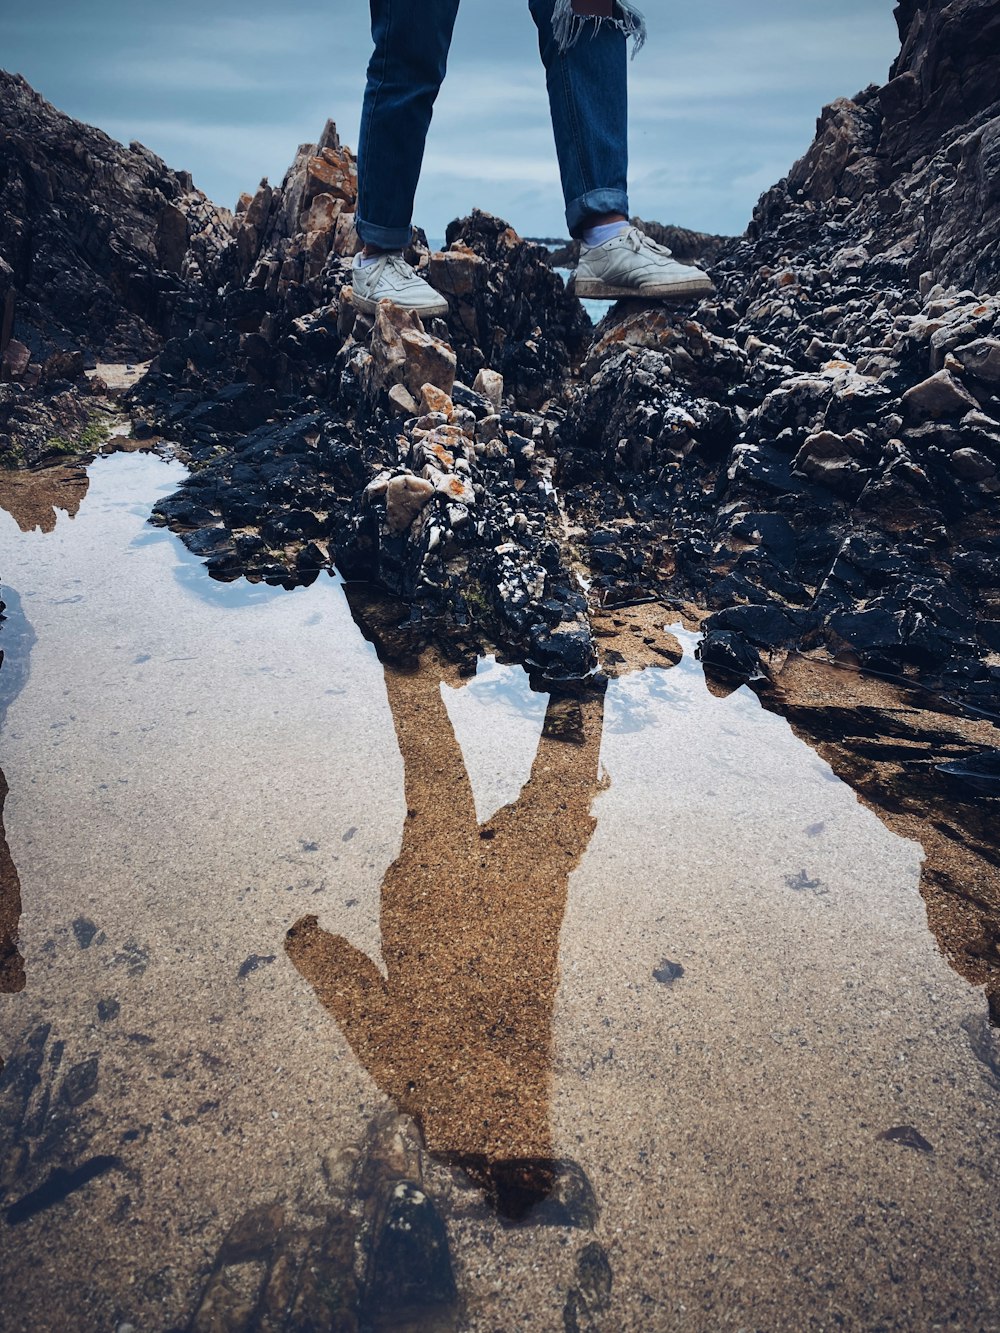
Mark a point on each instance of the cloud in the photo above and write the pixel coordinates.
(723, 98)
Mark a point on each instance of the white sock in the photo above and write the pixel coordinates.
(365, 261)
(607, 231)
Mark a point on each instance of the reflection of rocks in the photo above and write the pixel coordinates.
(34, 499)
(459, 1031)
(377, 1258)
(589, 1299)
(48, 1128)
(890, 750)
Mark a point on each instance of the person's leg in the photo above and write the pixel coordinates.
(588, 99)
(404, 75)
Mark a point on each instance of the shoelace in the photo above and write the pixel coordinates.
(399, 266)
(638, 240)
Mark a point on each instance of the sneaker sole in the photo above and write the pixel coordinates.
(370, 307)
(595, 290)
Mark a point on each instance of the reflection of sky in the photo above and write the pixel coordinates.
(498, 720)
(724, 96)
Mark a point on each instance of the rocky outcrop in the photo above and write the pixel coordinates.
(911, 170)
(451, 509)
(103, 249)
(812, 456)
(817, 461)
(815, 454)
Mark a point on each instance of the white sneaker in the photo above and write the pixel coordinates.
(392, 278)
(634, 265)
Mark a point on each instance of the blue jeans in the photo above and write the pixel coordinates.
(588, 101)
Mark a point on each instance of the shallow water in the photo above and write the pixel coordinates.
(640, 1029)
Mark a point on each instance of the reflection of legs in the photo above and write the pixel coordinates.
(439, 800)
(404, 75)
(588, 99)
(459, 1033)
(554, 806)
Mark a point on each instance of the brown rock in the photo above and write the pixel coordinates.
(403, 400)
(433, 399)
(333, 172)
(322, 213)
(456, 271)
(346, 240)
(403, 353)
(63, 366)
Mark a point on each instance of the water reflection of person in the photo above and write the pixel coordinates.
(11, 964)
(458, 1032)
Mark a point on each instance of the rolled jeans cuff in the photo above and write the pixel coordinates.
(385, 238)
(591, 203)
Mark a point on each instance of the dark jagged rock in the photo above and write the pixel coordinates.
(103, 249)
(911, 170)
(815, 455)
(509, 311)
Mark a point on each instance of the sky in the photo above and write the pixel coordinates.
(723, 97)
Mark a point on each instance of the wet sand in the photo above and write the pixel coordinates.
(730, 1079)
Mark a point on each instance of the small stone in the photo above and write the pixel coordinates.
(346, 240)
(80, 1083)
(454, 488)
(668, 972)
(403, 353)
(489, 383)
(455, 271)
(403, 401)
(971, 465)
(433, 399)
(942, 395)
(15, 360)
(84, 931)
(488, 429)
(831, 459)
(405, 496)
(335, 170)
(322, 213)
(981, 359)
(908, 1136)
